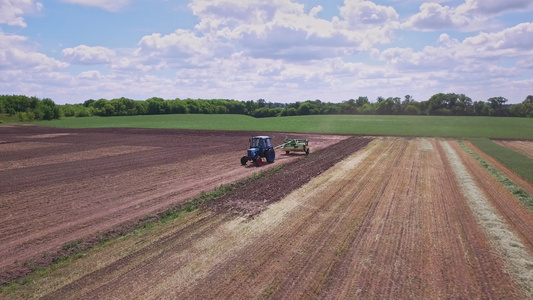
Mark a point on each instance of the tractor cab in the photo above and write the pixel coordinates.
(260, 142)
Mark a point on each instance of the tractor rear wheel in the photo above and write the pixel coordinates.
(271, 155)
(244, 159)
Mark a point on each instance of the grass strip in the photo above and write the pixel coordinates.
(73, 250)
(522, 195)
(519, 163)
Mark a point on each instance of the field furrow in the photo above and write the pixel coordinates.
(391, 221)
(366, 218)
(518, 262)
(58, 187)
(422, 241)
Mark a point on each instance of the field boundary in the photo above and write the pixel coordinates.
(518, 192)
(519, 163)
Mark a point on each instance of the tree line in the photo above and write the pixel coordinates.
(451, 104)
(29, 108)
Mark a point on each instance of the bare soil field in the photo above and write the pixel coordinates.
(60, 187)
(524, 147)
(398, 218)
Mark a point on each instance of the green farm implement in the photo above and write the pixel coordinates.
(294, 145)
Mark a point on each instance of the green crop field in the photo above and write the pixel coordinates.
(517, 162)
(468, 127)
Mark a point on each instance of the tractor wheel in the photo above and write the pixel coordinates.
(271, 155)
(307, 151)
(287, 152)
(258, 161)
(244, 159)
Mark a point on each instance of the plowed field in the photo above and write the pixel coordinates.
(58, 186)
(394, 218)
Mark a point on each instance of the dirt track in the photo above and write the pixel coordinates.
(391, 221)
(60, 185)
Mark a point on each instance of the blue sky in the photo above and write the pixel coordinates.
(279, 50)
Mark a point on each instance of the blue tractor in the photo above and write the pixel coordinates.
(260, 146)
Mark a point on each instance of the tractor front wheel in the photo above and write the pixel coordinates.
(244, 159)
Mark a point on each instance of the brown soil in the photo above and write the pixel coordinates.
(390, 221)
(516, 215)
(62, 190)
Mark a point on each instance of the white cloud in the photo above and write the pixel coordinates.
(113, 5)
(86, 55)
(434, 16)
(135, 63)
(11, 11)
(492, 7)
(14, 55)
(367, 23)
(282, 50)
(526, 63)
(510, 42)
(467, 65)
(472, 15)
(92, 75)
(359, 13)
(181, 43)
(284, 30)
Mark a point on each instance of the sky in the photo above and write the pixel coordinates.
(278, 50)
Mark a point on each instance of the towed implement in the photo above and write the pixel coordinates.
(295, 145)
(261, 147)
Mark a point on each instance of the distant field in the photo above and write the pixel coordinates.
(516, 128)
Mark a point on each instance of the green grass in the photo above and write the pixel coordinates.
(521, 194)
(5, 119)
(519, 163)
(468, 127)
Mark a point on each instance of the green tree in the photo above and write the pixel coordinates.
(361, 101)
(88, 103)
(155, 106)
(497, 105)
(349, 107)
(47, 110)
(304, 109)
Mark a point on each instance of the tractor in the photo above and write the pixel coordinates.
(260, 146)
